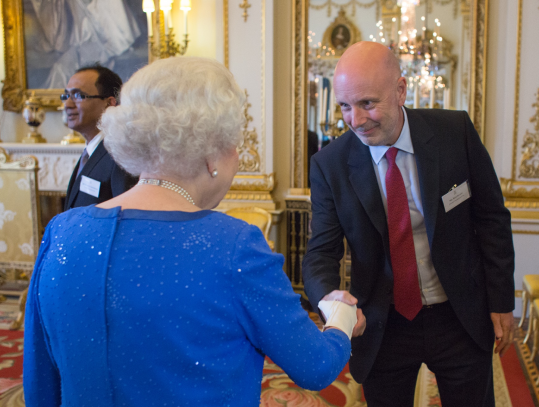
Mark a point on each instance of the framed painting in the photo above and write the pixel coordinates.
(46, 41)
(340, 34)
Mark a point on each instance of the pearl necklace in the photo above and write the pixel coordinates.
(167, 185)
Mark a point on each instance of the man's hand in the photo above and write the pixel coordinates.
(503, 329)
(347, 298)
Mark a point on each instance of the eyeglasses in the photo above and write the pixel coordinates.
(78, 96)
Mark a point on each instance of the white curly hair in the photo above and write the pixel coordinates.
(174, 113)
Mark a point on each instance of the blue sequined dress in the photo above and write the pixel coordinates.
(149, 308)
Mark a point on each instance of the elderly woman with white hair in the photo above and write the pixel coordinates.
(152, 298)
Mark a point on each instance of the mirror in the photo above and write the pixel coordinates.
(440, 43)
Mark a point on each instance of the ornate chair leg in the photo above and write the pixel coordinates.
(530, 326)
(524, 308)
(17, 324)
(535, 339)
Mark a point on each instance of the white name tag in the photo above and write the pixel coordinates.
(456, 196)
(90, 186)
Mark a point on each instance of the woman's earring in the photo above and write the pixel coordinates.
(214, 173)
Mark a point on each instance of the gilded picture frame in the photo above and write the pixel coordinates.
(340, 34)
(300, 29)
(17, 86)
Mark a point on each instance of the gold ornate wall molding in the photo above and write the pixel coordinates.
(352, 5)
(248, 152)
(522, 197)
(245, 6)
(225, 27)
(529, 162)
(253, 190)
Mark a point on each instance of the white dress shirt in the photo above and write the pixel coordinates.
(432, 291)
(92, 145)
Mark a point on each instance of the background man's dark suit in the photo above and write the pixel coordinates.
(471, 245)
(100, 167)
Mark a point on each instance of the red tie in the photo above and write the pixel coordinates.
(401, 242)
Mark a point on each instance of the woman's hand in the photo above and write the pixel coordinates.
(347, 298)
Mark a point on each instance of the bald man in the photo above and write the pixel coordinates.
(415, 194)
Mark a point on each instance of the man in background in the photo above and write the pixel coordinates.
(96, 177)
(415, 194)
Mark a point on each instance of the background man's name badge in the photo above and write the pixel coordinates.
(90, 186)
(456, 196)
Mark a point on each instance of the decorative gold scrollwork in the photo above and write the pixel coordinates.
(352, 3)
(245, 6)
(248, 152)
(529, 163)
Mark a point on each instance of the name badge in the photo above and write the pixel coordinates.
(90, 186)
(456, 196)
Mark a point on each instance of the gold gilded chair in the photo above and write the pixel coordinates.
(534, 321)
(254, 216)
(20, 224)
(530, 291)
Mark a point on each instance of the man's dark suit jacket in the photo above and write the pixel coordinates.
(100, 167)
(471, 245)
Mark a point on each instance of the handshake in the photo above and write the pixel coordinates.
(340, 312)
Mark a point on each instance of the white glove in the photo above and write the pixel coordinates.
(339, 315)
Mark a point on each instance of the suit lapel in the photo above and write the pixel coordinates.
(70, 194)
(365, 184)
(426, 153)
(74, 183)
(98, 153)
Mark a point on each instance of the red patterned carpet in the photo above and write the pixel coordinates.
(514, 380)
(514, 383)
(279, 391)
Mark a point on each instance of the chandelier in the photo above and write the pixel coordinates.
(166, 46)
(423, 54)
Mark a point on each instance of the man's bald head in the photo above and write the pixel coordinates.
(367, 57)
(371, 92)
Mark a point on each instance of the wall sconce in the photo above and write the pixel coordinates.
(166, 47)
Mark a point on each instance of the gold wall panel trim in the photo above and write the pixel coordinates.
(519, 189)
(250, 196)
(526, 232)
(299, 81)
(517, 91)
(479, 66)
(261, 183)
(225, 25)
(524, 214)
(263, 86)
